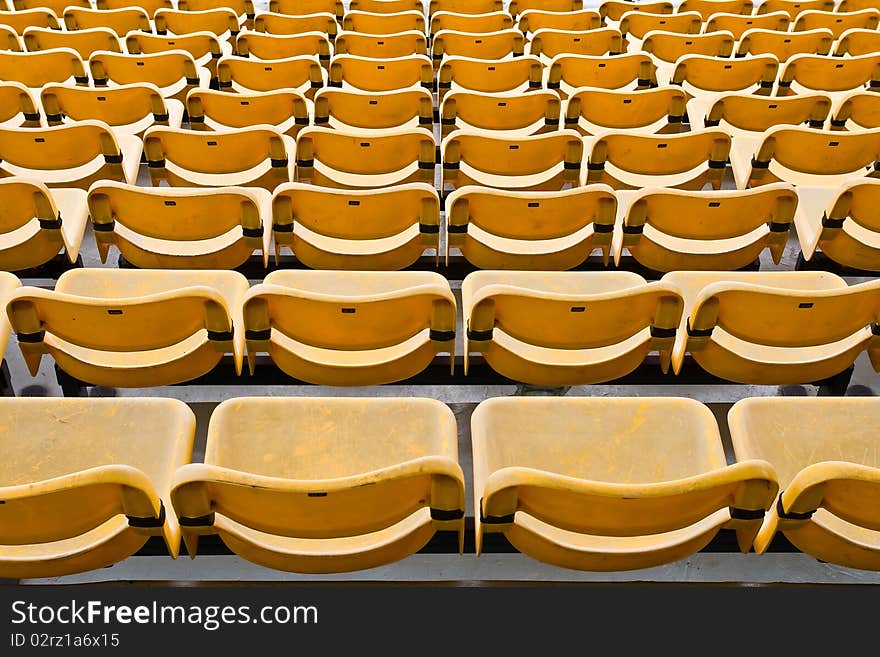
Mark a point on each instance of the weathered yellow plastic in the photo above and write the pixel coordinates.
(784, 45)
(372, 23)
(72, 155)
(464, 6)
(647, 111)
(856, 5)
(259, 45)
(825, 454)
(30, 234)
(857, 111)
(627, 72)
(793, 7)
(20, 20)
(8, 284)
(567, 328)
(56, 6)
(382, 229)
(132, 328)
(366, 74)
(348, 159)
(837, 22)
(174, 72)
(324, 485)
(9, 39)
(205, 47)
(517, 75)
(18, 108)
(775, 328)
(127, 109)
(306, 7)
(503, 44)
(259, 156)
(168, 228)
(689, 160)
(609, 484)
(283, 24)
(669, 46)
(385, 6)
(858, 42)
(532, 20)
(517, 7)
(806, 156)
(638, 23)
(86, 482)
(382, 46)
(35, 69)
(350, 328)
(509, 115)
(150, 6)
(548, 43)
(547, 162)
(707, 8)
(244, 9)
(286, 111)
(121, 21)
(810, 73)
(738, 24)
(671, 230)
(844, 223)
(629, 482)
(501, 229)
(346, 109)
(700, 75)
(84, 42)
(748, 116)
(223, 22)
(613, 10)
(301, 74)
(493, 21)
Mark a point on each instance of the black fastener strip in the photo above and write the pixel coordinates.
(113, 159)
(711, 124)
(633, 230)
(426, 120)
(103, 226)
(595, 166)
(451, 165)
(790, 515)
(192, 81)
(263, 334)
(442, 336)
(430, 229)
(84, 79)
(699, 333)
(603, 228)
(280, 163)
(831, 223)
(148, 523)
(156, 164)
(220, 336)
(36, 116)
(198, 521)
(447, 514)
(675, 118)
(837, 123)
(479, 336)
(31, 338)
(779, 226)
(658, 332)
(305, 164)
(196, 119)
(282, 228)
(457, 228)
(252, 232)
(746, 514)
(571, 166)
(757, 164)
(427, 165)
(717, 164)
(159, 118)
(51, 224)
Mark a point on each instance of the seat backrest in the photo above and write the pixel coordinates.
(723, 74)
(370, 23)
(669, 46)
(382, 46)
(84, 42)
(34, 69)
(243, 75)
(784, 45)
(490, 76)
(553, 42)
(115, 106)
(121, 21)
(737, 24)
(370, 74)
(221, 21)
(639, 23)
(614, 109)
(756, 114)
(19, 20)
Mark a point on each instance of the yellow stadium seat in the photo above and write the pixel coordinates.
(86, 482)
(36, 224)
(706, 8)
(857, 111)
(503, 44)
(370, 23)
(837, 23)
(286, 111)
(366, 74)
(776, 327)
(120, 21)
(628, 72)
(173, 72)
(516, 75)
(9, 39)
(21, 20)
(636, 24)
(350, 328)
(856, 5)
(180, 228)
(548, 43)
(532, 20)
(857, 41)
(57, 6)
(258, 156)
(35, 69)
(689, 160)
(259, 45)
(567, 328)
(244, 9)
(349, 159)
(149, 6)
(502, 115)
(306, 7)
(501, 229)
(670, 46)
(793, 7)
(382, 229)
(613, 10)
(832, 75)
(495, 21)
(647, 111)
(465, 6)
(548, 162)
(747, 116)
(304, 75)
(700, 75)
(283, 24)
(84, 42)
(784, 45)
(129, 328)
(386, 6)
(516, 7)
(805, 156)
(223, 22)
(378, 110)
(127, 109)
(824, 452)
(673, 230)
(18, 108)
(73, 155)
(205, 47)
(843, 223)
(738, 24)
(611, 484)
(8, 284)
(278, 500)
(382, 46)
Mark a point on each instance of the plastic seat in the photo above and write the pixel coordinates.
(672, 230)
(690, 160)
(855, 5)
(793, 7)
(173, 72)
(785, 45)
(128, 328)
(57, 6)
(824, 452)
(205, 47)
(350, 328)
(223, 22)
(84, 42)
(9, 39)
(739, 24)
(516, 7)
(837, 23)
(501, 115)
(501, 229)
(489, 76)
(706, 8)
(593, 111)
(700, 75)
(365, 74)
(19, 21)
(611, 484)
(567, 328)
(119, 21)
(857, 111)
(843, 223)
(832, 75)
(285, 25)
(747, 116)
(465, 6)
(149, 6)
(180, 228)
(18, 108)
(629, 72)
(532, 20)
(548, 43)
(259, 45)
(258, 156)
(286, 111)
(383, 229)
(668, 47)
(382, 46)
(371, 23)
(8, 284)
(86, 482)
(306, 7)
(635, 25)
(379, 111)
(613, 10)
(857, 41)
(495, 21)
(347, 159)
(386, 6)
(280, 502)
(244, 9)
(304, 75)
(72, 155)
(37, 224)
(35, 69)
(805, 156)
(503, 44)
(774, 328)
(546, 162)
